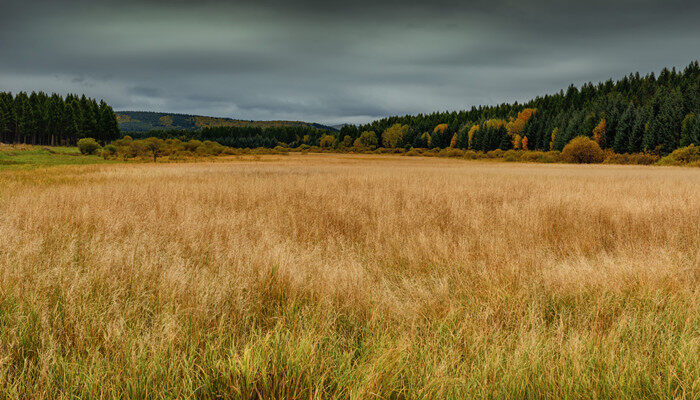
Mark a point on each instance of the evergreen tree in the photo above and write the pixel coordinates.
(690, 130)
(624, 130)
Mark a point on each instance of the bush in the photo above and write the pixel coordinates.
(498, 153)
(88, 146)
(451, 152)
(512, 155)
(471, 155)
(551, 156)
(281, 150)
(531, 156)
(689, 155)
(582, 150)
(635, 158)
(192, 145)
(111, 149)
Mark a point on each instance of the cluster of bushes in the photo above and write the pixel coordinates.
(580, 150)
(689, 155)
(508, 155)
(129, 148)
(174, 149)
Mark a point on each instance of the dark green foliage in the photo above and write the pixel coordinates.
(643, 113)
(40, 119)
(246, 137)
(690, 130)
(624, 130)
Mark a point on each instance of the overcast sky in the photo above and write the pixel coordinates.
(333, 62)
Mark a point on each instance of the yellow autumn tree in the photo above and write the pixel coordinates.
(453, 141)
(555, 132)
(471, 133)
(524, 143)
(599, 132)
(495, 123)
(516, 126)
(394, 135)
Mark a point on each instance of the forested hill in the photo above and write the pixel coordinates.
(637, 113)
(143, 121)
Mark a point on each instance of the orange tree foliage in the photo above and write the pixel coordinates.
(599, 132)
(440, 129)
(517, 141)
(524, 143)
(516, 126)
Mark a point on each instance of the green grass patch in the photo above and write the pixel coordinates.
(32, 156)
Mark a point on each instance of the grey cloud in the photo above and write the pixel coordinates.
(331, 61)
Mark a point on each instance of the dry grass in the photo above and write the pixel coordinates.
(331, 276)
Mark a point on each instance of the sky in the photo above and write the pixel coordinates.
(333, 62)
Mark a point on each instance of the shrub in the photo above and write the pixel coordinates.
(635, 158)
(111, 149)
(412, 153)
(192, 145)
(451, 152)
(88, 146)
(498, 153)
(551, 156)
(281, 150)
(531, 156)
(471, 155)
(689, 155)
(512, 155)
(582, 150)
(125, 141)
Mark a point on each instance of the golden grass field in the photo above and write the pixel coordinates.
(346, 276)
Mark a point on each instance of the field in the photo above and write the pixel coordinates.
(350, 276)
(31, 157)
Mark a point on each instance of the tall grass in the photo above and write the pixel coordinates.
(330, 276)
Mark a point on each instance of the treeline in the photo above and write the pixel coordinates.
(54, 120)
(246, 137)
(635, 114)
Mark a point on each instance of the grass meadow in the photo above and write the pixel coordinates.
(13, 157)
(351, 277)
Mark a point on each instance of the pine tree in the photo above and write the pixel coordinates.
(639, 130)
(6, 116)
(624, 129)
(690, 130)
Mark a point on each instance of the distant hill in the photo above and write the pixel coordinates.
(143, 121)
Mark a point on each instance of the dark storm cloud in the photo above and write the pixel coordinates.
(333, 61)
